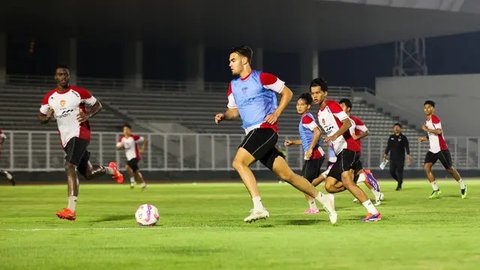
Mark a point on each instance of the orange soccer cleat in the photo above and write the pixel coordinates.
(67, 214)
(116, 173)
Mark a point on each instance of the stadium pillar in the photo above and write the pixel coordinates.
(68, 56)
(258, 58)
(133, 64)
(309, 65)
(196, 65)
(3, 58)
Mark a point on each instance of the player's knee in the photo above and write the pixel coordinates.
(69, 166)
(286, 175)
(330, 187)
(427, 167)
(237, 164)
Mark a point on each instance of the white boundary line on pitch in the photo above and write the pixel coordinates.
(77, 229)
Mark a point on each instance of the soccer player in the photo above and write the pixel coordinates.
(310, 141)
(438, 151)
(72, 107)
(252, 97)
(359, 130)
(336, 123)
(129, 142)
(6, 173)
(397, 146)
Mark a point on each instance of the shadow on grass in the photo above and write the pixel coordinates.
(301, 222)
(115, 218)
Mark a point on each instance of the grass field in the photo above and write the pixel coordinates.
(201, 227)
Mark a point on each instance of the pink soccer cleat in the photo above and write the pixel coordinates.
(116, 173)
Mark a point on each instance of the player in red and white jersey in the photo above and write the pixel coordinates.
(336, 123)
(438, 150)
(6, 173)
(72, 106)
(129, 142)
(359, 130)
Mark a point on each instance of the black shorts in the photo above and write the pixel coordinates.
(346, 160)
(311, 168)
(133, 164)
(444, 157)
(260, 143)
(76, 151)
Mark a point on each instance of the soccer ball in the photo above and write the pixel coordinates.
(147, 215)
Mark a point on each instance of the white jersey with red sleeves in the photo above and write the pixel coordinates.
(437, 142)
(66, 106)
(254, 97)
(357, 127)
(330, 119)
(130, 145)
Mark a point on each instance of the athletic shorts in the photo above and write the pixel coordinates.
(346, 160)
(311, 168)
(133, 164)
(444, 157)
(260, 143)
(76, 151)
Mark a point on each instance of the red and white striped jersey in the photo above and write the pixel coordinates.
(330, 119)
(437, 142)
(357, 127)
(130, 145)
(66, 106)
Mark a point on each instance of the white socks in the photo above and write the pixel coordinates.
(257, 203)
(361, 178)
(312, 204)
(434, 185)
(462, 184)
(132, 179)
(72, 203)
(370, 207)
(375, 193)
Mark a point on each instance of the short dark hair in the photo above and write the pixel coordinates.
(398, 124)
(307, 97)
(347, 102)
(429, 102)
(127, 125)
(62, 66)
(320, 82)
(243, 50)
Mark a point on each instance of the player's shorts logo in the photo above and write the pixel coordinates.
(63, 102)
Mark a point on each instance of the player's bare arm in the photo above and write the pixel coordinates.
(287, 95)
(84, 116)
(45, 118)
(360, 136)
(437, 131)
(144, 144)
(292, 142)
(346, 124)
(229, 114)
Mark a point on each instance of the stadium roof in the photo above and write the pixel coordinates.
(271, 24)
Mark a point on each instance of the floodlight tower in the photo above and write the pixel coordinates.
(410, 58)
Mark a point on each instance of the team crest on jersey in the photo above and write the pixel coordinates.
(63, 102)
(323, 121)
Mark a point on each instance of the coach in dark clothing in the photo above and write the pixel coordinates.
(397, 146)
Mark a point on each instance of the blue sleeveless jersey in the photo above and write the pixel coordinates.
(254, 102)
(306, 135)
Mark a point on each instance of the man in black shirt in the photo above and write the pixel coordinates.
(397, 146)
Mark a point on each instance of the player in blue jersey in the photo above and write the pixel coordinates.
(310, 141)
(252, 97)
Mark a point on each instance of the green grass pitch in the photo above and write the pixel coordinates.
(201, 227)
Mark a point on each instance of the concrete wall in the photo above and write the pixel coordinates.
(457, 99)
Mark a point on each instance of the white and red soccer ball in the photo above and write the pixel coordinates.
(147, 215)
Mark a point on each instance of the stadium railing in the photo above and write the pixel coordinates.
(41, 151)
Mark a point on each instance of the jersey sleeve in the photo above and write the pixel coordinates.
(309, 123)
(86, 96)
(231, 100)
(359, 125)
(138, 139)
(44, 106)
(271, 82)
(337, 110)
(436, 122)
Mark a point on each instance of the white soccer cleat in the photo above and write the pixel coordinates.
(381, 197)
(256, 215)
(377, 202)
(329, 206)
